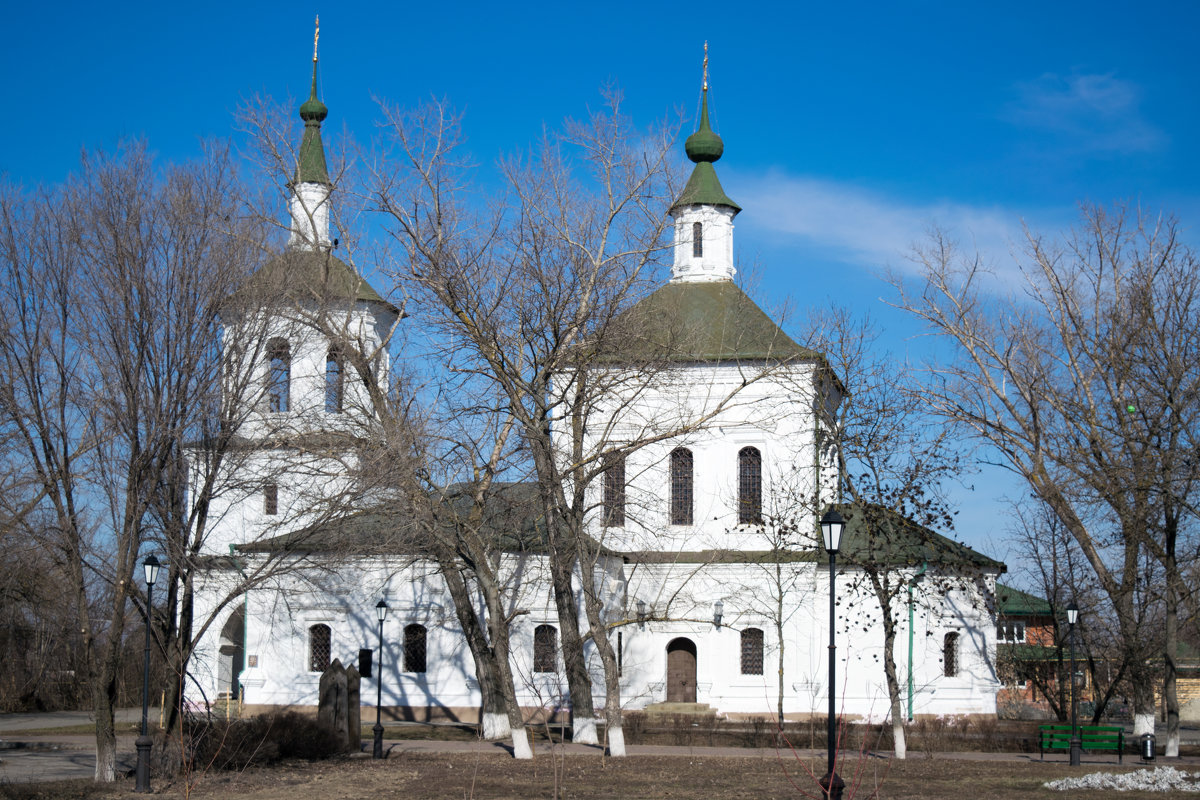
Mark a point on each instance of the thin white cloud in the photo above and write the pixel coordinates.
(867, 228)
(1096, 113)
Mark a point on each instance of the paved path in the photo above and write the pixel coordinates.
(51, 756)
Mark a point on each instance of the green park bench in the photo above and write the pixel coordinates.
(1093, 737)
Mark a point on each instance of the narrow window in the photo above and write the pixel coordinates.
(318, 648)
(950, 655)
(614, 491)
(681, 486)
(545, 647)
(271, 499)
(335, 382)
(279, 375)
(697, 240)
(414, 648)
(752, 651)
(749, 486)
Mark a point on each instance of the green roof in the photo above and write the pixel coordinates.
(510, 518)
(310, 166)
(1027, 652)
(704, 147)
(880, 535)
(1012, 602)
(311, 275)
(702, 321)
(704, 189)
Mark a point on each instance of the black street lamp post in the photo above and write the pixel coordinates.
(832, 525)
(1076, 743)
(381, 610)
(144, 741)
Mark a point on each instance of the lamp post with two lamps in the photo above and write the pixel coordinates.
(144, 742)
(832, 525)
(381, 610)
(1076, 744)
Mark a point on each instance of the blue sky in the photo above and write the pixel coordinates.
(849, 128)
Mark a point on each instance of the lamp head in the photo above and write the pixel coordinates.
(381, 609)
(1072, 612)
(152, 566)
(832, 526)
(718, 612)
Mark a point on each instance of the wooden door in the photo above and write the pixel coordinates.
(681, 671)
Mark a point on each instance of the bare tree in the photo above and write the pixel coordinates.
(110, 297)
(1078, 384)
(893, 462)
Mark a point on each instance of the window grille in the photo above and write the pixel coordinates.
(749, 486)
(545, 647)
(681, 486)
(614, 491)
(279, 376)
(414, 648)
(950, 655)
(752, 651)
(697, 240)
(319, 648)
(271, 499)
(335, 382)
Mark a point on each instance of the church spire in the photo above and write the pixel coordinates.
(310, 188)
(703, 213)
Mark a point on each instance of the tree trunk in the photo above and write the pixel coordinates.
(498, 627)
(1170, 667)
(895, 701)
(593, 605)
(493, 712)
(779, 638)
(579, 682)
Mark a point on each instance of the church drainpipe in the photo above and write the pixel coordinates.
(911, 585)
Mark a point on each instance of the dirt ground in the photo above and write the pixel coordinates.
(494, 776)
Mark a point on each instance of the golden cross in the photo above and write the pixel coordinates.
(706, 65)
(316, 36)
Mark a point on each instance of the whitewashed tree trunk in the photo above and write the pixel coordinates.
(616, 742)
(495, 726)
(583, 730)
(899, 743)
(520, 743)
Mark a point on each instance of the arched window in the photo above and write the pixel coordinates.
(319, 647)
(950, 655)
(271, 499)
(681, 486)
(614, 491)
(279, 375)
(545, 649)
(414, 648)
(335, 382)
(752, 651)
(697, 240)
(749, 486)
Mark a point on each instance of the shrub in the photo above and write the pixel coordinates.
(265, 739)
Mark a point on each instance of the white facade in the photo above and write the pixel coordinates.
(662, 591)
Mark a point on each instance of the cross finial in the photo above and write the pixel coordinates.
(705, 87)
(316, 36)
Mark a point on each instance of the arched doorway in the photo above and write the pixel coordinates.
(681, 671)
(232, 658)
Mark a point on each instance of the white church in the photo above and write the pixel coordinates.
(705, 607)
